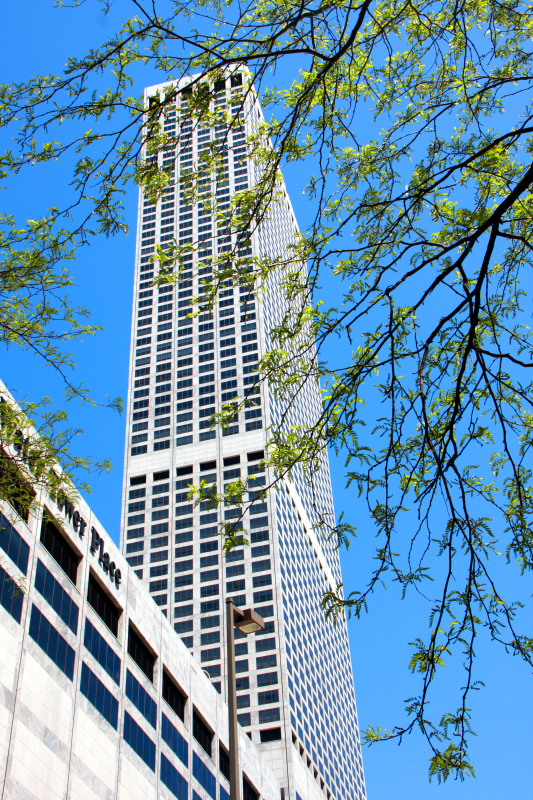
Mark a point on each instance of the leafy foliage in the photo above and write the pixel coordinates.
(415, 124)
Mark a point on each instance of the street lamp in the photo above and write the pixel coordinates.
(248, 621)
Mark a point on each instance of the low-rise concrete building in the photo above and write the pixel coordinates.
(99, 698)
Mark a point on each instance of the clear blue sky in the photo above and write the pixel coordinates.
(36, 38)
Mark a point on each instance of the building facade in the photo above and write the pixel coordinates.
(99, 698)
(295, 684)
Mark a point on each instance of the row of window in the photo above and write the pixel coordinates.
(62, 654)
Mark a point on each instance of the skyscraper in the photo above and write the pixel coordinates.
(295, 685)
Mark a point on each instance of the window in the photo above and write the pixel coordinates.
(208, 575)
(173, 695)
(13, 544)
(235, 586)
(106, 609)
(202, 734)
(268, 715)
(270, 734)
(97, 694)
(51, 642)
(175, 740)
(267, 678)
(173, 780)
(271, 696)
(266, 662)
(213, 637)
(158, 586)
(139, 741)
(237, 569)
(101, 651)
(183, 580)
(141, 699)
(248, 791)
(209, 605)
(213, 654)
(141, 654)
(183, 596)
(183, 627)
(223, 760)
(56, 596)
(263, 580)
(204, 776)
(259, 566)
(60, 550)
(11, 596)
(263, 596)
(210, 622)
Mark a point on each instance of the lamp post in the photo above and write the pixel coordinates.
(248, 621)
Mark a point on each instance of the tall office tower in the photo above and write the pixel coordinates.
(295, 685)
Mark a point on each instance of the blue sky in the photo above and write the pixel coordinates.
(37, 38)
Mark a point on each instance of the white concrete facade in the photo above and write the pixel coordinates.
(55, 742)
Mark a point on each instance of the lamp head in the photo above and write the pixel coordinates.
(248, 621)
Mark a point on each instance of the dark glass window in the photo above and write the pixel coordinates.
(210, 622)
(265, 644)
(183, 627)
(13, 544)
(60, 549)
(223, 760)
(265, 662)
(209, 605)
(268, 715)
(213, 654)
(209, 591)
(204, 776)
(173, 780)
(11, 596)
(175, 740)
(141, 699)
(202, 733)
(139, 741)
(267, 678)
(141, 654)
(101, 651)
(97, 694)
(56, 596)
(263, 596)
(234, 570)
(51, 642)
(173, 695)
(270, 735)
(213, 637)
(270, 696)
(262, 580)
(183, 596)
(248, 791)
(103, 605)
(259, 566)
